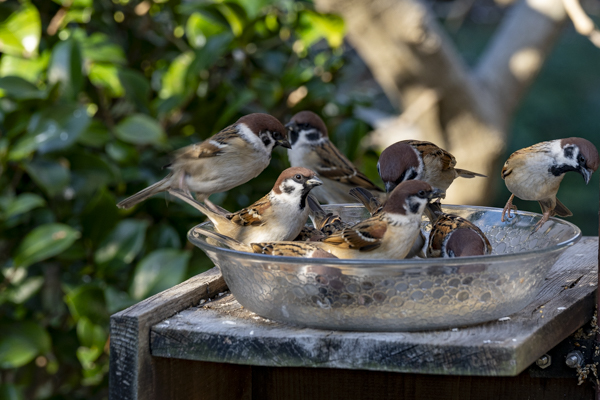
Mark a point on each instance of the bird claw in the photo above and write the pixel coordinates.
(507, 208)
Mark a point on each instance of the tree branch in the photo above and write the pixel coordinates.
(516, 54)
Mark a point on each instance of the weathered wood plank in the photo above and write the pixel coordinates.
(131, 374)
(223, 331)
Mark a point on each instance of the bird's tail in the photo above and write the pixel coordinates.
(368, 199)
(559, 209)
(222, 239)
(328, 223)
(463, 173)
(143, 194)
(212, 213)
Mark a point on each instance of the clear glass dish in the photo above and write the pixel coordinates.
(399, 295)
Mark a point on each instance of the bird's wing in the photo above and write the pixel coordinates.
(214, 146)
(364, 236)
(428, 149)
(253, 215)
(335, 166)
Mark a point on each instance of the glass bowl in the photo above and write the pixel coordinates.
(399, 295)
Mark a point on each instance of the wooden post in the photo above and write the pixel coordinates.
(132, 368)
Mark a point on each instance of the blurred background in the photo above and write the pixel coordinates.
(94, 94)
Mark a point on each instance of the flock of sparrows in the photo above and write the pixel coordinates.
(413, 172)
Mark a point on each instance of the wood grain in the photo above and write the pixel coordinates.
(131, 374)
(223, 331)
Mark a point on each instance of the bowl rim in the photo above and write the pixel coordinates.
(410, 262)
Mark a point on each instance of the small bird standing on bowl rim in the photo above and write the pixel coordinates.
(454, 236)
(414, 159)
(311, 148)
(535, 173)
(279, 215)
(389, 234)
(228, 159)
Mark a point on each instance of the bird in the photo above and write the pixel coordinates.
(311, 148)
(227, 159)
(414, 159)
(279, 215)
(535, 173)
(286, 249)
(454, 236)
(374, 206)
(389, 234)
(326, 223)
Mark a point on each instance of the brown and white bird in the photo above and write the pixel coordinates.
(454, 236)
(228, 159)
(389, 234)
(414, 159)
(285, 249)
(374, 206)
(311, 148)
(325, 222)
(279, 215)
(535, 173)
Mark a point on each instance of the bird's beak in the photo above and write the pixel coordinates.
(315, 181)
(586, 173)
(283, 143)
(389, 186)
(436, 194)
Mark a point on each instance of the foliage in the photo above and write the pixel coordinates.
(93, 96)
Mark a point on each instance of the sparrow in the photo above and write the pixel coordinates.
(389, 234)
(279, 215)
(374, 207)
(286, 249)
(228, 159)
(535, 173)
(311, 148)
(414, 159)
(454, 236)
(325, 222)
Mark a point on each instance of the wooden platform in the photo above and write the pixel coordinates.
(171, 346)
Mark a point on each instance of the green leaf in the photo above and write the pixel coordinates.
(24, 203)
(20, 89)
(89, 172)
(21, 342)
(20, 33)
(117, 300)
(97, 48)
(106, 76)
(44, 242)
(66, 68)
(140, 129)
(173, 82)
(314, 26)
(137, 88)
(253, 7)
(158, 271)
(123, 243)
(90, 334)
(53, 128)
(28, 69)
(99, 217)
(208, 55)
(52, 176)
(96, 135)
(200, 27)
(87, 301)
(164, 235)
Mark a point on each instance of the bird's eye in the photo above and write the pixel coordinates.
(298, 177)
(276, 135)
(581, 159)
(421, 193)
